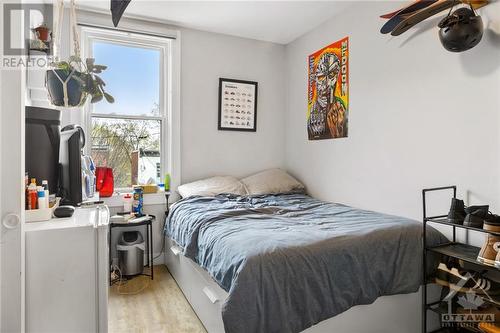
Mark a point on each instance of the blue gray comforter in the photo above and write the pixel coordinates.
(290, 261)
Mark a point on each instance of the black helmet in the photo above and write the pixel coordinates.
(461, 30)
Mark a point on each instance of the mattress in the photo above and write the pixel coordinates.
(289, 261)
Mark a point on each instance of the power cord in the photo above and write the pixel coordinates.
(120, 280)
(163, 236)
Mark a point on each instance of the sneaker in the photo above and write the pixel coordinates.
(457, 211)
(489, 251)
(476, 216)
(464, 281)
(492, 219)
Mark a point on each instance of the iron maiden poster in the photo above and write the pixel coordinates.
(328, 92)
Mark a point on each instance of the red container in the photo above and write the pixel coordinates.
(33, 198)
(42, 33)
(104, 181)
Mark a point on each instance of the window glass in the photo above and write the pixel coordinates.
(132, 78)
(130, 147)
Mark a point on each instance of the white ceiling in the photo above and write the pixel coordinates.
(273, 21)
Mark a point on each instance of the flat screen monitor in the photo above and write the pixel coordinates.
(70, 164)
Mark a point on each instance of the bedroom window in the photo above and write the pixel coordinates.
(130, 134)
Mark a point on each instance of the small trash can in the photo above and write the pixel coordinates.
(131, 253)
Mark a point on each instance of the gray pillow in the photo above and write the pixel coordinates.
(212, 186)
(271, 181)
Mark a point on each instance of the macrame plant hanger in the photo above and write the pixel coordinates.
(57, 47)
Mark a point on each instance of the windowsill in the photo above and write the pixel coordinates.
(149, 199)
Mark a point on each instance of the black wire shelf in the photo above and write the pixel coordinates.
(444, 221)
(459, 251)
(464, 252)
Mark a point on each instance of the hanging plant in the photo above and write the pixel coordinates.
(70, 83)
(79, 79)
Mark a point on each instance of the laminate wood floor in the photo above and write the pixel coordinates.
(145, 305)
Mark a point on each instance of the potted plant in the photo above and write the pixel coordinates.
(71, 82)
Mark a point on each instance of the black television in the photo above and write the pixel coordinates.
(43, 128)
(70, 165)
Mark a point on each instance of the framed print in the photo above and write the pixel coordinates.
(237, 105)
(328, 92)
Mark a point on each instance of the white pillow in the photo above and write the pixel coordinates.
(212, 186)
(270, 182)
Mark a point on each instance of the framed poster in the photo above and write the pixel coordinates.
(237, 105)
(328, 92)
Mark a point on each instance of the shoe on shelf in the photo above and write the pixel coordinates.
(457, 212)
(497, 259)
(489, 251)
(464, 281)
(489, 327)
(476, 216)
(492, 219)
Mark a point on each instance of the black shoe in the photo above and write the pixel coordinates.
(492, 219)
(457, 211)
(476, 216)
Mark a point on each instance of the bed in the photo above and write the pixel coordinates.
(289, 262)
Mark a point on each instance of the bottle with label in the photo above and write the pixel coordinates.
(45, 185)
(138, 201)
(127, 203)
(42, 201)
(32, 195)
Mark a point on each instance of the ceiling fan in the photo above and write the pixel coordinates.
(462, 28)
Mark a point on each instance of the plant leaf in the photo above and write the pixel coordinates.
(90, 62)
(109, 98)
(99, 68)
(99, 80)
(96, 98)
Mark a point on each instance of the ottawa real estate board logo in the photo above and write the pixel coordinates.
(27, 36)
(472, 307)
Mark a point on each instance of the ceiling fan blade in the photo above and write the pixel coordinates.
(419, 4)
(117, 9)
(421, 15)
(404, 13)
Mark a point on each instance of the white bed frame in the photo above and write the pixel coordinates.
(388, 314)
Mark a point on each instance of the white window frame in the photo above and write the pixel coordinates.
(164, 45)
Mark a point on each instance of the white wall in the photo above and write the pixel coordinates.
(419, 115)
(205, 57)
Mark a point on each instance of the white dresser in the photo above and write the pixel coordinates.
(67, 273)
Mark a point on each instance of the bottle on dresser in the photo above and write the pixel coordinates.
(32, 198)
